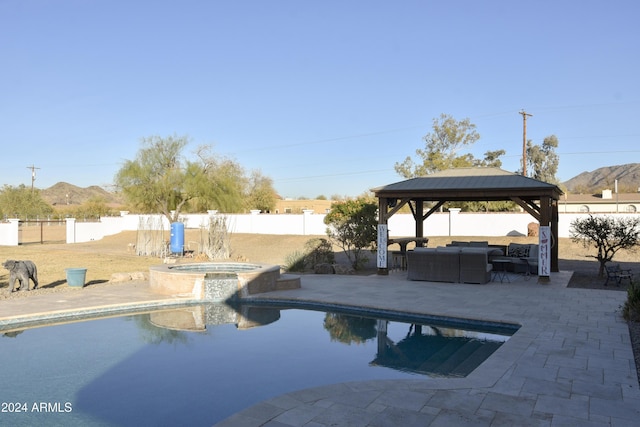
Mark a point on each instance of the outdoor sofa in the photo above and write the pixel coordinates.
(523, 258)
(449, 264)
(520, 256)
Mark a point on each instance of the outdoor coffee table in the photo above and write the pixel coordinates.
(501, 273)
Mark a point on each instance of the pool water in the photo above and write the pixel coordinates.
(131, 371)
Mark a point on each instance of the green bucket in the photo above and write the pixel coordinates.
(76, 277)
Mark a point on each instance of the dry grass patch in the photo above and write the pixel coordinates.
(114, 254)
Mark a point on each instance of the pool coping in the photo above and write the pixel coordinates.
(89, 313)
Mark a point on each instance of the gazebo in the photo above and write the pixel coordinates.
(538, 198)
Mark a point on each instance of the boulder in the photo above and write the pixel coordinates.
(126, 277)
(343, 269)
(139, 275)
(120, 277)
(323, 268)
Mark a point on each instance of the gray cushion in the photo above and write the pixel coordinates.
(421, 249)
(517, 250)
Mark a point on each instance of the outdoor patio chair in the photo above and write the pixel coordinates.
(398, 260)
(617, 274)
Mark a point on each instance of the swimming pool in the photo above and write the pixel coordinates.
(200, 364)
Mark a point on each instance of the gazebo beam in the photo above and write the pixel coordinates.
(528, 206)
(396, 206)
(434, 209)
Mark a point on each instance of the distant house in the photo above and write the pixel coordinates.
(297, 206)
(606, 202)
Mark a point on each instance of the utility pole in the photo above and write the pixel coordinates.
(524, 141)
(33, 175)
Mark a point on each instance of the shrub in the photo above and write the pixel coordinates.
(353, 226)
(295, 261)
(631, 309)
(318, 251)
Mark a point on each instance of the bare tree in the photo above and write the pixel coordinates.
(217, 244)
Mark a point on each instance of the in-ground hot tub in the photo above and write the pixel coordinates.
(219, 281)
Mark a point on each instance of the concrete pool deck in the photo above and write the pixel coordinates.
(571, 363)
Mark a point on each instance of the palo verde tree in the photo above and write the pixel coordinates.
(442, 149)
(260, 192)
(223, 184)
(228, 189)
(23, 202)
(162, 180)
(353, 226)
(543, 160)
(159, 179)
(94, 207)
(607, 234)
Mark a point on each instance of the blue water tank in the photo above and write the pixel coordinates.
(177, 238)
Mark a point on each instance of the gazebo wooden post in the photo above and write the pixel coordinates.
(382, 252)
(549, 216)
(419, 218)
(554, 232)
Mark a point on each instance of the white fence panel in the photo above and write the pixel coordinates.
(494, 224)
(9, 233)
(439, 224)
(88, 231)
(462, 224)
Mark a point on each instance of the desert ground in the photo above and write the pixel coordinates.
(116, 254)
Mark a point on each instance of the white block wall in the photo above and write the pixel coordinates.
(312, 224)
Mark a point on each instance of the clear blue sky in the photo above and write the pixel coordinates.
(324, 97)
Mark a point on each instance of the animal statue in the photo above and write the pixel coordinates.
(22, 271)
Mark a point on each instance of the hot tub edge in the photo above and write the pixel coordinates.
(195, 280)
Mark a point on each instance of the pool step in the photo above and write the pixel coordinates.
(287, 281)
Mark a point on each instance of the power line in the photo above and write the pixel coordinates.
(573, 153)
(303, 178)
(326, 140)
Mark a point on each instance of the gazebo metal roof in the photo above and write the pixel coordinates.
(538, 198)
(469, 184)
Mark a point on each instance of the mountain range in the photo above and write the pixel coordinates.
(64, 193)
(628, 177)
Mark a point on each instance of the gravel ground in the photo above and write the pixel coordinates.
(113, 254)
(634, 333)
